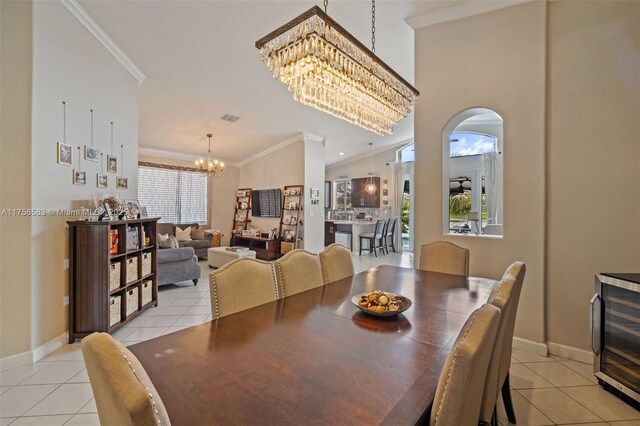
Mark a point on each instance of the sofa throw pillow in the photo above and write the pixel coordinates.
(183, 234)
(163, 241)
(167, 241)
(197, 234)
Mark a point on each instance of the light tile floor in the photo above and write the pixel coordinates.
(56, 390)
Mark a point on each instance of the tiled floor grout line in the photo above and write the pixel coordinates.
(588, 409)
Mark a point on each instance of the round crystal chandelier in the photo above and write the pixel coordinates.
(213, 167)
(370, 186)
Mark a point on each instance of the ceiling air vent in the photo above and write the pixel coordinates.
(230, 118)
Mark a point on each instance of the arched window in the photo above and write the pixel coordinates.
(472, 173)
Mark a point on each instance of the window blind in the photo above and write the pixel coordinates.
(176, 196)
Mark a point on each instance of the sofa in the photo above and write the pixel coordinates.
(200, 246)
(177, 264)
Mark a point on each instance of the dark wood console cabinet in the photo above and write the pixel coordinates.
(265, 249)
(103, 296)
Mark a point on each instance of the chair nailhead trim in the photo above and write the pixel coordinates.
(455, 355)
(153, 403)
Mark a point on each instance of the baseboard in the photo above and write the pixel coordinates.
(17, 360)
(49, 347)
(570, 352)
(539, 348)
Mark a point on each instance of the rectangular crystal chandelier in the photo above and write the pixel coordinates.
(326, 67)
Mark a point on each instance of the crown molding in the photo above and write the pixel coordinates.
(158, 153)
(395, 145)
(297, 138)
(103, 38)
(464, 10)
(315, 138)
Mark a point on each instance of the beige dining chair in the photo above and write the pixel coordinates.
(298, 271)
(504, 296)
(121, 387)
(445, 257)
(241, 284)
(459, 392)
(336, 263)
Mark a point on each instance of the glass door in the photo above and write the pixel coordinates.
(620, 357)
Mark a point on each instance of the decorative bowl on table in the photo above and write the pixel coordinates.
(381, 303)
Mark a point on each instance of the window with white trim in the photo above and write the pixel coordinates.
(342, 191)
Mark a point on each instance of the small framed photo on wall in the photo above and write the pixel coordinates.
(91, 154)
(122, 183)
(65, 154)
(79, 177)
(101, 180)
(112, 164)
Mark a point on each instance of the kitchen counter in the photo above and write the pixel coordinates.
(355, 227)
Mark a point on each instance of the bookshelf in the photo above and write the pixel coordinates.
(112, 274)
(242, 211)
(290, 232)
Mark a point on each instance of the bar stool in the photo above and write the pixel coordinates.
(391, 230)
(375, 239)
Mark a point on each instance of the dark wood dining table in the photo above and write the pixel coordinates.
(314, 358)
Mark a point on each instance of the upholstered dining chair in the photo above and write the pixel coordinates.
(505, 296)
(298, 271)
(241, 284)
(336, 263)
(375, 239)
(459, 393)
(121, 387)
(445, 257)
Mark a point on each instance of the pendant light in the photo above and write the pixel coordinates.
(370, 187)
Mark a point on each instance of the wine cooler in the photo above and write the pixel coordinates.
(615, 334)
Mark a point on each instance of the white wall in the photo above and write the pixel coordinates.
(571, 151)
(494, 60)
(70, 64)
(274, 170)
(313, 178)
(15, 182)
(593, 156)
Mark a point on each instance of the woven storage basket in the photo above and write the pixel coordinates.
(132, 269)
(114, 311)
(147, 287)
(146, 264)
(114, 275)
(286, 246)
(132, 300)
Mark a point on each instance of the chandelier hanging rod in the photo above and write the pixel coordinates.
(316, 10)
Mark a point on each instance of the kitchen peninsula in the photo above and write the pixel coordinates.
(347, 232)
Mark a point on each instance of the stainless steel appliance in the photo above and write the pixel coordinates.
(615, 334)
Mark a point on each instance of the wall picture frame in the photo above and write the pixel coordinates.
(315, 193)
(79, 177)
(122, 182)
(65, 154)
(91, 154)
(102, 181)
(112, 164)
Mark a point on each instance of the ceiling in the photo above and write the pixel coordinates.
(201, 63)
